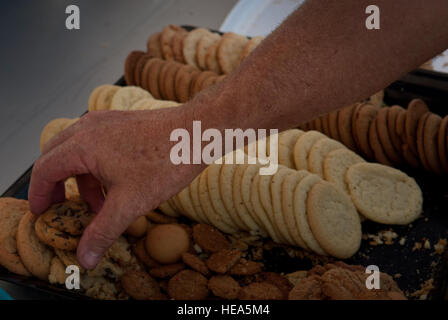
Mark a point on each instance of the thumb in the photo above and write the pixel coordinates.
(112, 220)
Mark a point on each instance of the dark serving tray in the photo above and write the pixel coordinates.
(410, 267)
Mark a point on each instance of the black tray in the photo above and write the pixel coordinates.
(414, 266)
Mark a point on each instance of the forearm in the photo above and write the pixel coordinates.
(322, 58)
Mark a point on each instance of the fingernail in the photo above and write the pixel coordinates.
(90, 259)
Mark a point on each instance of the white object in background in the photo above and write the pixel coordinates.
(258, 17)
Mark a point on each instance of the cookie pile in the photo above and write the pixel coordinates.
(201, 48)
(393, 136)
(167, 80)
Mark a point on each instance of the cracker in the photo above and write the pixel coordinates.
(384, 194)
(229, 51)
(35, 255)
(204, 197)
(345, 126)
(287, 196)
(190, 44)
(318, 152)
(211, 60)
(276, 196)
(104, 100)
(11, 212)
(226, 189)
(416, 109)
(202, 46)
(153, 45)
(129, 66)
(250, 46)
(430, 143)
(303, 146)
(336, 164)
(300, 212)
(165, 40)
(125, 97)
(333, 220)
(286, 143)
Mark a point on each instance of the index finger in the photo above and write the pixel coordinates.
(58, 164)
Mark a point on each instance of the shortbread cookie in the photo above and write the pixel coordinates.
(376, 146)
(53, 237)
(11, 212)
(129, 66)
(318, 152)
(250, 46)
(383, 134)
(177, 45)
(300, 212)
(211, 60)
(288, 186)
(303, 146)
(345, 126)
(105, 96)
(190, 44)
(69, 216)
(430, 142)
(35, 255)
(276, 196)
(362, 118)
(286, 143)
(442, 143)
(333, 220)
(239, 203)
(194, 194)
(153, 45)
(226, 189)
(204, 197)
(229, 51)
(202, 46)
(416, 109)
(139, 67)
(125, 97)
(165, 41)
(336, 164)
(420, 140)
(259, 210)
(383, 194)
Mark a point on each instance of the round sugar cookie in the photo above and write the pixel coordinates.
(286, 142)
(442, 143)
(183, 85)
(229, 51)
(246, 183)
(336, 164)
(318, 152)
(333, 125)
(94, 96)
(152, 78)
(139, 67)
(333, 220)
(384, 194)
(420, 139)
(300, 212)
(165, 40)
(190, 43)
(211, 60)
(376, 146)
(430, 143)
(240, 206)
(400, 123)
(383, 134)
(194, 194)
(166, 208)
(325, 124)
(169, 81)
(161, 79)
(345, 126)
(362, 118)
(213, 172)
(186, 202)
(416, 109)
(143, 104)
(259, 211)
(105, 96)
(177, 44)
(203, 76)
(125, 97)
(207, 206)
(52, 129)
(129, 66)
(303, 146)
(153, 45)
(392, 116)
(276, 196)
(226, 189)
(289, 184)
(202, 46)
(162, 104)
(250, 46)
(410, 157)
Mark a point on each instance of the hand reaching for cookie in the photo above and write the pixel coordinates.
(125, 152)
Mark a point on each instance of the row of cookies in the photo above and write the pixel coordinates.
(167, 80)
(393, 136)
(201, 48)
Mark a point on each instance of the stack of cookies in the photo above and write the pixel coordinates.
(393, 136)
(167, 80)
(201, 48)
